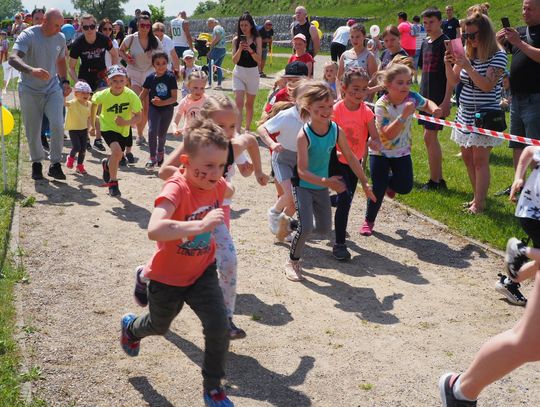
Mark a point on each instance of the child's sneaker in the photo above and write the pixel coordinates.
(367, 228)
(150, 164)
(139, 293)
(235, 332)
(217, 398)
(70, 161)
(114, 190)
(80, 169)
(283, 228)
(390, 193)
(129, 345)
(105, 165)
(510, 290)
(123, 161)
(293, 270)
(273, 218)
(160, 159)
(130, 158)
(515, 256)
(446, 390)
(340, 252)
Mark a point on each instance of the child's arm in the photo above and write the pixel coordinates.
(92, 119)
(156, 101)
(265, 137)
(524, 161)
(162, 228)
(392, 130)
(374, 142)
(229, 191)
(177, 118)
(431, 107)
(249, 142)
(334, 182)
(144, 98)
(135, 118)
(354, 164)
(171, 163)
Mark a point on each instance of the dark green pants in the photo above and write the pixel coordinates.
(206, 300)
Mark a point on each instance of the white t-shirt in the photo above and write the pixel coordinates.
(528, 205)
(178, 35)
(342, 35)
(108, 59)
(287, 123)
(168, 47)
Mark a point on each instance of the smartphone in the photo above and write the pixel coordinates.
(505, 22)
(243, 38)
(447, 45)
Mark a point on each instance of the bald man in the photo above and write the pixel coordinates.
(303, 26)
(39, 54)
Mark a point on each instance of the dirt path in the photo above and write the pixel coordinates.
(413, 303)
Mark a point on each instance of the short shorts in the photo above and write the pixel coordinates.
(111, 136)
(246, 79)
(137, 78)
(283, 164)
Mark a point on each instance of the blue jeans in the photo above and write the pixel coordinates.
(525, 117)
(218, 55)
(400, 180)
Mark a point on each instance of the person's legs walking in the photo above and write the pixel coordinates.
(54, 110)
(434, 151)
(379, 167)
(482, 177)
(32, 106)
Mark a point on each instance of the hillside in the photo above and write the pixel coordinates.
(383, 11)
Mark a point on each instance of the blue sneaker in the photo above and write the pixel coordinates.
(217, 398)
(129, 345)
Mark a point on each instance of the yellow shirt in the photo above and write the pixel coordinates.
(77, 115)
(125, 105)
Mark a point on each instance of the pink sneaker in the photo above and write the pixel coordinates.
(70, 161)
(81, 169)
(367, 228)
(390, 193)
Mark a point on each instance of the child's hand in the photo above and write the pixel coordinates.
(449, 58)
(177, 132)
(92, 131)
(262, 178)
(516, 187)
(121, 122)
(213, 219)
(156, 101)
(335, 182)
(375, 144)
(437, 112)
(369, 193)
(245, 168)
(410, 108)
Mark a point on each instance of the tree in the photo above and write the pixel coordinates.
(8, 8)
(158, 12)
(205, 6)
(111, 9)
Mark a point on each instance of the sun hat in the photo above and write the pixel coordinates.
(83, 87)
(116, 70)
(188, 54)
(295, 69)
(301, 36)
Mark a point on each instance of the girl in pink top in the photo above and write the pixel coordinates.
(189, 106)
(358, 123)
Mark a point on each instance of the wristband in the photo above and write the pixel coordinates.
(401, 119)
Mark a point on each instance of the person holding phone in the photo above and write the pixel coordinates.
(247, 55)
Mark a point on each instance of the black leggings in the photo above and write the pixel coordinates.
(344, 201)
(78, 144)
(336, 49)
(532, 228)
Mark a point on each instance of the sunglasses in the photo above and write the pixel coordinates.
(145, 25)
(469, 36)
(106, 29)
(89, 27)
(158, 30)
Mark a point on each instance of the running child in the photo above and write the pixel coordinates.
(120, 108)
(183, 267)
(315, 143)
(191, 104)
(357, 121)
(159, 97)
(77, 123)
(391, 167)
(189, 66)
(330, 77)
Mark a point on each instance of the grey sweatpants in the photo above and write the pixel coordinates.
(33, 106)
(310, 203)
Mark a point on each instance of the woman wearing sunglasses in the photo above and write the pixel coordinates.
(137, 50)
(480, 70)
(106, 28)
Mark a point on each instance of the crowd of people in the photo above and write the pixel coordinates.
(321, 133)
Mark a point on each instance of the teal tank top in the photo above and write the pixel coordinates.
(319, 151)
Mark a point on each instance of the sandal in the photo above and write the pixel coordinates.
(466, 205)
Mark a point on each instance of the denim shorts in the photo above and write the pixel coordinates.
(525, 118)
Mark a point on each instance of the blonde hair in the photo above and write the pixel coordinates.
(312, 92)
(386, 76)
(197, 75)
(403, 60)
(203, 133)
(487, 42)
(217, 103)
(332, 64)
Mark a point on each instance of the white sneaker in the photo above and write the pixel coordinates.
(284, 227)
(293, 270)
(289, 238)
(273, 218)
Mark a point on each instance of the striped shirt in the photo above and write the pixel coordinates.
(471, 95)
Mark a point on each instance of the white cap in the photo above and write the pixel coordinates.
(83, 87)
(116, 70)
(188, 54)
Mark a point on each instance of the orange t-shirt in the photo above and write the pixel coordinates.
(355, 126)
(181, 262)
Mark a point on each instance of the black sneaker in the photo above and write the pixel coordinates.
(113, 189)
(235, 332)
(55, 171)
(140, 294)
(98, 145)
(504, 192)
(130, 158)
(340, 252)
(45, 142)
(510, 290)
(123, 161)
(434, 186)
(37, 171)
(88, 145)
(105, 165)
(446, 384)
(515, 256)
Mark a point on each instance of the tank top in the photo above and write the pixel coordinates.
(143, 59)
(361, 60)
(320, 149)
(304, 29)
(246, 60)
(178, 35)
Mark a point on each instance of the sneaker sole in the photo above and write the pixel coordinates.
(501, 289)
(442, 387)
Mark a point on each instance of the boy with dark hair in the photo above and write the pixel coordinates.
(183, 268)
(434, 86)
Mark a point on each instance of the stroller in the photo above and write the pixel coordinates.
(201, 45)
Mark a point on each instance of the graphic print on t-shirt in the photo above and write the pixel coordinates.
(199, 244)
(162, 90)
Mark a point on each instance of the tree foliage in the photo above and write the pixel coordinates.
(158, 12)
(205, 6)
(111, 9)
(8, 8)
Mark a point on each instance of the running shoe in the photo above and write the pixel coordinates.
(129, 345)
(123, 161)
(390, 193)
(235, 332)
(446, 390)
(217, 398)
(114, 190)
(367, 228)
(88, 146)
(70, 161)
(340, 252)
(273, 218)
(105, 165)
(515, 256)
(139, 293)
(37, 171)
(510, 290)
(293, 270)
(81, 170)
(434, 186)
(140, 141)
(98, 145)
(150, 164)
(55, 171)
(130, 159)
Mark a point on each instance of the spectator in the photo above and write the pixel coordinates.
(4, 47)
(119, 32)
(408, 41)
(506, 97)
(267, 33)
(301, 54)
(18, 26)
(168, 47)
(392, 45)
(217, 48)
(37, 16)
(106, 28)
(340, 40)
(133, 24)
(294, 72)
(450, 25)
(358, 56)
(181, 35)
(247, 55)
(303, 26)
(421, 35)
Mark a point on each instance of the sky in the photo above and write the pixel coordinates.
(171, 6)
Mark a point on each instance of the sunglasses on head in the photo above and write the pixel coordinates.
(469, 36)
(89, 27)
(145, 25)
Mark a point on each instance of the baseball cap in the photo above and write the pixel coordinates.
(351, 22)
(268, 22)
(116, 70)
(118, 22)
(82, 87)
(188, 54)
(296, 68)
(301, 36)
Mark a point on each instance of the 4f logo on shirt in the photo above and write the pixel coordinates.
(118, 108)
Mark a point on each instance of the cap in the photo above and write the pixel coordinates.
(296, 68)
(301, 36)
(82, 87)
(268, 22)
(116, 70)
(351, 22)
(188, 54)
(118, 22)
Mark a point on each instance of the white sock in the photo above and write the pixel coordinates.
(457, 391)
(508, 280)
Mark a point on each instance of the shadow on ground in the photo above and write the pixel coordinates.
(272, 315)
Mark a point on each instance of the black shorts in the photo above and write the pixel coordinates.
(532, 228)
(112, 136)
(429, 125)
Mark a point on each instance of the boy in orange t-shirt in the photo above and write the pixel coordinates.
(183, 268)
